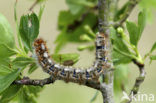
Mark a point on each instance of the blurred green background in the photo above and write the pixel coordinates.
(60, 92)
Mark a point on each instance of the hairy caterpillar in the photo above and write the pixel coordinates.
(72, 74)
(102, 49)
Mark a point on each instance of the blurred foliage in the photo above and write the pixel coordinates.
(7, 42)
(78, 6)
(10, 93)
(28, 94)
(7, 79)
(120, 82)
(64, 58)
(149, 6)
(78, 24)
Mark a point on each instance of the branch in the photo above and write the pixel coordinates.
(77, 23)
(130, 6)
(139, 80)
(107, 89)
(50, 80)
(28, 81)
(33, 5)
(104, 26)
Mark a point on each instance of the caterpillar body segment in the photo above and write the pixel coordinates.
(102, 50)
(58, 71)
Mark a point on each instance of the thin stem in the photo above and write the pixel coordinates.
(41, 12)
(146, 55)
(21, 53)
(17, 27)
(139, 80)
(94, 97)
(124, 53)
(130, 6)
(33, 5)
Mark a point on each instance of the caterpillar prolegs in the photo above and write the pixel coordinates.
(72, 74)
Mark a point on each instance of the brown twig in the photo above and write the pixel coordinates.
(139, 80)
(77, 23)
(50, 80)
(28, 81)
(33, 5)
(130, 6)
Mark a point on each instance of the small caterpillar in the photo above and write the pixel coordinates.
(102, 44)
(68, 73)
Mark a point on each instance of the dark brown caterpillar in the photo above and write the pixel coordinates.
(68, 73)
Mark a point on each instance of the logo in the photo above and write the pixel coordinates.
(140, 97)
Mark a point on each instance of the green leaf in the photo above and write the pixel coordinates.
(10, 93)
(75, 34)
(29, 29)
(4, 70)
(28, 94)
(61, 58)
(118, 42)
(120, 12)
(22, 61)
(120, 59)
(141, 22)
(32, 68)
(6, 38)
(66, 18)
(6, 51)
(149, 6)
(61, 40)
(35, 90)
(121, 54)
(41, 1)
(25, 97)
(77, 6)
(133, 32)
(153, 47)
(5, 66)
(6, 33)
(153, 57)
(120, 77)
(6, 80)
